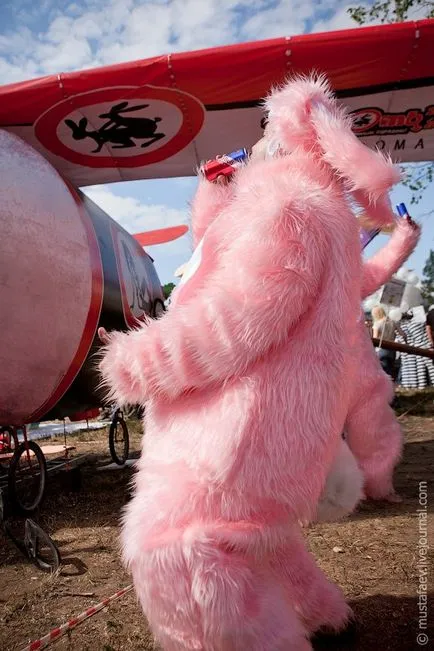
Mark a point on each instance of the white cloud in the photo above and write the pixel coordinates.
(100, 32)
(137, 217)
(134, 215)
(283, 19)
(339, 20)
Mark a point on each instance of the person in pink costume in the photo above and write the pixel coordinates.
(373, 432)
(245, 404)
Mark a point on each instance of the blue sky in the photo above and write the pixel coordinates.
(50, 36)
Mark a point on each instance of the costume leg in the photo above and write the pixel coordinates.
(319, 602)
(373, 432)
(201, 594)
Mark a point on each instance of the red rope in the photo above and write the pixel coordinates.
(59, 631)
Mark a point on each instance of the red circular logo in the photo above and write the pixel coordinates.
(365, 119)
(121, 127)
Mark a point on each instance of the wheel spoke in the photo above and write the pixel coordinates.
(27, 473)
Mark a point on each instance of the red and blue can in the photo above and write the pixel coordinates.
(224, 165)
(402, 211)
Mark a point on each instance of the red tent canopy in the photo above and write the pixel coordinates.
(160, 117)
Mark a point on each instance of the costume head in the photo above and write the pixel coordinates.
(304, 115)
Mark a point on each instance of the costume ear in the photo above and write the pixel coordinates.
(305, 114)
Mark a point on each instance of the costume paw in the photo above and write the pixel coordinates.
(328, 612)
(346, 634)
(394, 498)
(380, 488)
(391, 497)
(122, 369)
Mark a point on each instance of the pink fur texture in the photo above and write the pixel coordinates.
(209, 201)
(374, 439)
(247, 381)
(379, 269)
(306, 115)
(373, 432)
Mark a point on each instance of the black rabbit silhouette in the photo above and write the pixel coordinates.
(118, 130)
(140, 128)
(118, 137)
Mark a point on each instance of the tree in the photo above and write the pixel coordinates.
(428, 278)
(391, 11)
(417, 176)
(168, 289)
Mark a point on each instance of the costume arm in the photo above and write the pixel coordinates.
(263, 282)
(209, 201)
(380, 268)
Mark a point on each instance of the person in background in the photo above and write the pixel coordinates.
(385, 329)
(417, 372)
(368, 324)
(430, 325)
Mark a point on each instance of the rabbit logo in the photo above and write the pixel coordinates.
(119, 130)
(122, 127)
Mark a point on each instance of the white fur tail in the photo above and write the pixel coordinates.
(343, 489)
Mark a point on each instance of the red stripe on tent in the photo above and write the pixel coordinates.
(179, 127)
(352, 58)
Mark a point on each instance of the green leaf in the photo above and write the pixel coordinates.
(168, 289)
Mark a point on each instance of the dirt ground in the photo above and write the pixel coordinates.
(372, 556)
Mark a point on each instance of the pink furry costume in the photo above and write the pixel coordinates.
(373, 432)
(212, 535)
(365, 462)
